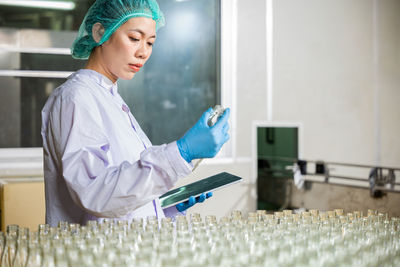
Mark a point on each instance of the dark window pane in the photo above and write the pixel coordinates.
(42, 18)
(34, 93)
(20, 109)
(50, 62)
(181, 79)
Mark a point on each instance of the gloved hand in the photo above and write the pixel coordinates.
(203, 141)
(192, 201)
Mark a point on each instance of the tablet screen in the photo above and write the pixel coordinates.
(195, 189)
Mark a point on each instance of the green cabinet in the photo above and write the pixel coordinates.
(277, 150)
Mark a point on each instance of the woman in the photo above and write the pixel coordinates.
(98, 163)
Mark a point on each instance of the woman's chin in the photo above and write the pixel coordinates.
(127, 76)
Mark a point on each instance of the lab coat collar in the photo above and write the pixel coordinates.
(102, 80)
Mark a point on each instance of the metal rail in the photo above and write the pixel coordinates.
(293, 160)
(380, 178)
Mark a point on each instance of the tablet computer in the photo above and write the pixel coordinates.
(195, 189)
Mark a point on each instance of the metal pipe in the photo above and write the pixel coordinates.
(330, 163)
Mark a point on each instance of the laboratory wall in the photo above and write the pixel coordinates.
(337, 66)
(388, 80)
(336, 72)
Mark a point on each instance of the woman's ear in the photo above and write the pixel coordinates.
(97, 32)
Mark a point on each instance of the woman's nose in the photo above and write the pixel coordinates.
(142, 51)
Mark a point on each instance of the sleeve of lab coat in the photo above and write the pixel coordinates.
(96, 186)
(172, 212)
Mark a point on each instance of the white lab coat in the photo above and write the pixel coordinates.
(98, 163)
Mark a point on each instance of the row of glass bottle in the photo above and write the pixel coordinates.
(283, 239)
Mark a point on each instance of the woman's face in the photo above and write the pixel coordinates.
(128, 48)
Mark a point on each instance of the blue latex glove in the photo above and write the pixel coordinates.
(203, 141)
(192, 201)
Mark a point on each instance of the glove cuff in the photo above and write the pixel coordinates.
(183, 150)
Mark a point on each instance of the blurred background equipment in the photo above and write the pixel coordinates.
(279, 168)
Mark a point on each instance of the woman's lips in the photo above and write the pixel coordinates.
(135, 67)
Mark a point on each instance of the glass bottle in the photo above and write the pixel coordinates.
(2, 243)
(22, 247)
(48, 259)
(34, 256)
(9, 251)
(60, 257)
(21, 254)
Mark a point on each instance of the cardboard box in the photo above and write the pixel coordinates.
(22, 202)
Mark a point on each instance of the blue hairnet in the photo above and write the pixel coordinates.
(112, 14)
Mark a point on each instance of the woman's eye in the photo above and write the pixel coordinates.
(150, 44)
(133, 39)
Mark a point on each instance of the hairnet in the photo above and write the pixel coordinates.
(111, 14)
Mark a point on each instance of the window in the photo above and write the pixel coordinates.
(180, 80)
(43, 16)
